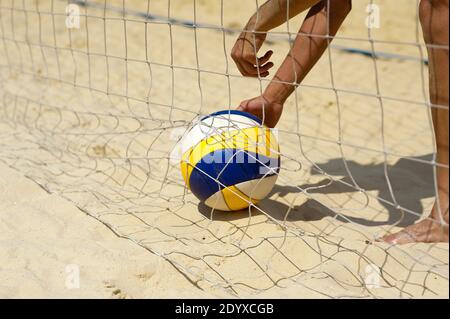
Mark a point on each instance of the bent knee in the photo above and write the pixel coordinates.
(434, 21)
(427, 5)
(342, 6)
(349, 6)
(441, 4)
(345, 5)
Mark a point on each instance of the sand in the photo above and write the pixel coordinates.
(44, 237)
(86, 178)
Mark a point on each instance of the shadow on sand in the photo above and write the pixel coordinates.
(411, 182)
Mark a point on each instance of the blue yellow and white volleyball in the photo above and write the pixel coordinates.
(230, 160)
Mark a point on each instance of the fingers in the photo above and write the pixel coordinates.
(265, 58)
(248, 69)
(248, 64)
(265, 68)
(252, 71)
(243, 106)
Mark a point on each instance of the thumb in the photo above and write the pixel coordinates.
(243, 106)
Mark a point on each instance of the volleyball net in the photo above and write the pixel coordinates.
(96, 95)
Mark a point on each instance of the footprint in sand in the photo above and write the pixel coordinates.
(116, 292)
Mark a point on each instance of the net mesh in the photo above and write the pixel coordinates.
(94, 113)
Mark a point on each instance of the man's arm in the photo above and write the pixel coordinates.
(268, 16)
(316, 32)
(273, 13)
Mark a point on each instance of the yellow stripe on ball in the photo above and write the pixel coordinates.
(258, 140)
(235, 199)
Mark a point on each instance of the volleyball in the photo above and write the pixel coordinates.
(230, 160)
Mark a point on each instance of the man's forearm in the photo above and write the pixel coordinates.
(309, 46)
(274, 13)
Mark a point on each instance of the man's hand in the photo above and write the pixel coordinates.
(265, 109)
(245, 51)
(271, 14)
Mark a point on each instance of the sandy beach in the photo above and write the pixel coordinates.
(91, 116)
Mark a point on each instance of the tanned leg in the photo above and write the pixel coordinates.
(434, 19)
